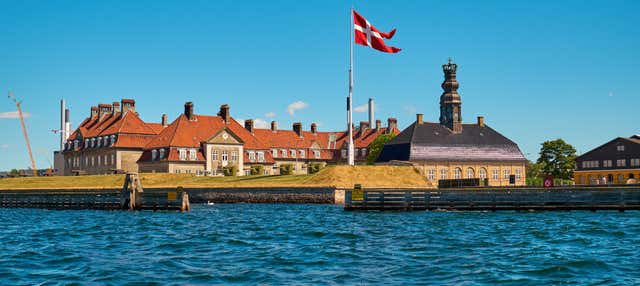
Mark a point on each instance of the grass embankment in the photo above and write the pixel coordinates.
(334, 176)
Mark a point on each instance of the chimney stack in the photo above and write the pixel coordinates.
(419, 118)
(103, 110)
(371, 116)
(481, 121)
(364, 125)
(94, 112)
(127, 105)
(164, 120)
(116, 107)
(248, 124)
(297, 127)
(392, 124)
(224, 113)
(314, 128)
(188, 111)
(274, 126)
(378, 124)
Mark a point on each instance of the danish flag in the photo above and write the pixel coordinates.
(368, 35)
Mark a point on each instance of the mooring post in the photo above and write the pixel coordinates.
(185, 202)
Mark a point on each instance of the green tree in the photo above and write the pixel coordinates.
(14, 173)
(376, 147)
(557, 158)
(534, 173)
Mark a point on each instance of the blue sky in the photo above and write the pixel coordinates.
(536, 70)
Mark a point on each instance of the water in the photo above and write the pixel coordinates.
(317, 244)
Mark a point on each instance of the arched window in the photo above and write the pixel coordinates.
(161, 155)
(457, 173)
(470, 173)
(483, 173)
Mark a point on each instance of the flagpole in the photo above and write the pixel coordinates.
(350, 160)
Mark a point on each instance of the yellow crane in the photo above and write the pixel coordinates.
(24, 132)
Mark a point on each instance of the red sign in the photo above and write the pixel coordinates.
(548, 182)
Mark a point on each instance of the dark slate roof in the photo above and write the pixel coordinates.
(432, 141)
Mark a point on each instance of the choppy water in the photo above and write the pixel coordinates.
(317, 244)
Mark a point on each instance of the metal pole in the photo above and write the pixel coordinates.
(349, 114)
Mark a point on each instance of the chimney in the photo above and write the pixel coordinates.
(116, 107)
(164, 120)
(127, 105)
(364, 125)
(94, 112)
(392, 124)
(224, 113)
(274, 126)
(481, 121)
(378, 124)
(419, 118)
(188, 111)
(297, 127)
(371, 111)
(103, 110)
(248, 124)
(314, 128)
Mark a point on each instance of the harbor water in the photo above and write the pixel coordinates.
(279, 244)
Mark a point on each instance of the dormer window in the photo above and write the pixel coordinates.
(302, 153)
(260, 156)
(113, 140)
(316, 153)
(154, 155)
(274, 153)
(99, 143)
(93, 144)
(86, 143)
(293, 153)
(161, 154)
(283, 152)
(252, 156)
(192, 154)
(183, 154)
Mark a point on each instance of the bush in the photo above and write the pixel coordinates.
(230, 170)
(286, 169)
(257, 170)
(314, 168)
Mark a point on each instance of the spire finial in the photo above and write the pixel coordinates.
(450, 60)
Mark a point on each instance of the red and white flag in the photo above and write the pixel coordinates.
(368, 35)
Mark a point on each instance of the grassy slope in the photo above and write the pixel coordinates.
(341, 176)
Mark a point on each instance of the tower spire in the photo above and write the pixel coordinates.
(450, 102)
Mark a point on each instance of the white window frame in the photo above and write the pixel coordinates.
(506, 173)
(274, 153)
(621, 163)
(292, 152)
(234, 156)
(431, 174)
(193, 154)
(224, 156)
(214, 155)
(470, 173)
(482, 173)
(260, 155)
(161, 154)
(252, 156)
(495, 174)
(518, 174)
(302, 153)
(457, 173)
(183, 154)
(316, 154)
(283, 153)
(443, 174)
(154, 155)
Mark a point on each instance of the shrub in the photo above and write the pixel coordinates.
(230, 170)
(286, 169)
(257, 170)
(314, 168)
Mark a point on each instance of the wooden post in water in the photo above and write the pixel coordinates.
(133, 189)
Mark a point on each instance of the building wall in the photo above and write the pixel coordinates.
(190, 168)
(127, 160)
(91, 162)
(512, 167)
(153, 167)
(595, 177)
(216, 166)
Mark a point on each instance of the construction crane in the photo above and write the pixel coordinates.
(24, 132)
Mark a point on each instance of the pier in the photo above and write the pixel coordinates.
(132, 196)
(618, 198)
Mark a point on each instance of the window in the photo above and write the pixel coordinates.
(234, 156)
(607, 163)
(260, 156)
(274, 153)
(364, 152)
(154, 155)
(483, 173)
(161, 154)
(113, 158)
(302, 153)
(344, 153)
(506, 173)
(99, 143)
(443, 174)
(621, 179)
(183, 154)
(86, 161)
(621, 162)
(192, 154)
(470, 173)
(293, 153)
(214, 155)
(76, 144)
(113, 139)
(283, 152)
(495, 174)
(225, 156)
(518, 174)
(252, 156)
(99, 160)
(620, 147)
(457, 173)
(431, 174)
(316, 154)
(106, 141)
(635, 162)
(93, 142)
(105, 160)
(92, 160)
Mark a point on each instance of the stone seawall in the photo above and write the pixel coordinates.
(262, 195)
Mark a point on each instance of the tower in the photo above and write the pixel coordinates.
(450, 102)
(371, 115)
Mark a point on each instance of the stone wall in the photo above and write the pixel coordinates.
(262, 195)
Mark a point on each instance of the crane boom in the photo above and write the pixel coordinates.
(24, 132)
